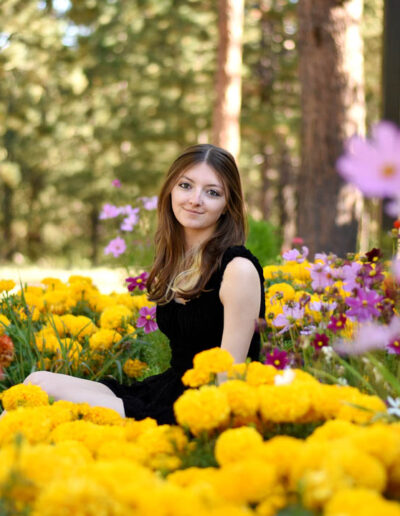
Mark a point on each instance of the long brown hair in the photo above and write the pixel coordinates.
(170, 259)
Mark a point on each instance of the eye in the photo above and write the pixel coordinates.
(184, 185)
(214, 193)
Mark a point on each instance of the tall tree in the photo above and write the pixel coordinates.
(333, 109)
(226, 127)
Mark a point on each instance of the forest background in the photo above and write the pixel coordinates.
(97, 90)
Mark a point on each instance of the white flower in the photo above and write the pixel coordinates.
(285, 378)
(394, 406)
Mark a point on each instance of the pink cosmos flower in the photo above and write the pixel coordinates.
(130, 221)
(290, 315)
(137, 282)
(363, 306)
(370, 336)
(109, 211)
(319, 341)
(278, 358)
(349, 275)
(116, 183)
(116, 247)
(394, 346)
(294, 255)
(337, 323)
(149, 203)
(374, 165)
(322, 276)
(147, 319)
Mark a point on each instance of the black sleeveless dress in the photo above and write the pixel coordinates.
(191, 327)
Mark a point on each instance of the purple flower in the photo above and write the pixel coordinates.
(337, 323)
(278, 358)
(294, 255)
(394, 346)
(363, 306)
(349, 274)
(370, 275)
(322, 276)
(147, 319)
(116, 183)
(320, 340)
(374, 165)
(370, 336)
(116, 247)
(149, 203)
(290, 315)
(109, 212)
(130, 221)
(137, 282)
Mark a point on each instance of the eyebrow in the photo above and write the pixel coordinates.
(191, 180)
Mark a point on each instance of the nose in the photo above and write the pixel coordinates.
(196, 197)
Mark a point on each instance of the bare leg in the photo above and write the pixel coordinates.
(69, 388)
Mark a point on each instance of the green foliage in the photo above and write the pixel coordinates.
(263, 241)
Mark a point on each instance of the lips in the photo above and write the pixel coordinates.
(194, 212)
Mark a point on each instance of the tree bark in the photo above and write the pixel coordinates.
(333, 109)
(226, 126)
(8, 237)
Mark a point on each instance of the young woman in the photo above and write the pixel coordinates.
(207, 286)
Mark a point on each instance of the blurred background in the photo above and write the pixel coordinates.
(97, 97)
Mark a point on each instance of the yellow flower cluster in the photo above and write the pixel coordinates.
(75, 455)
(66, 342)
(22, 395)
(134, 368)
(206, 365)
(266, 397)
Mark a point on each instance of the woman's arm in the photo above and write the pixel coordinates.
(240, 293)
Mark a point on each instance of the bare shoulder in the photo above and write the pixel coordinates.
(240, 267)
(240, 277)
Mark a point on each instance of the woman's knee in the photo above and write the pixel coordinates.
(40, 378)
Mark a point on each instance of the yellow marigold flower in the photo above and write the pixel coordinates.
(56, 325)
(55, 301)
(370, 406)
(281, 451)
(283, 291)
(237, 444)
(334, 429)
(22, 395)
(88, 433)
(98, 302)
(192, 476)
(104, 339)
(259, 374)
(52, 283)
(71, 495)
(163, 439)
(205, 409)
(238, 371)
(215, 360)
(6, 285)
(378, 440)
(242, 398)
(31, 313)
(76, 278)
(134, 367)
(196, 377)
(362, 502)
(78, 326)
(246, 481)
(34, 301)
(4, 322)
(115, 317)
(272, 505)
(102, 416)
(130, 451)
(141, 301)
(283, 403)
(126, 300)
(272, 310)
(45, 340)
(135, 428)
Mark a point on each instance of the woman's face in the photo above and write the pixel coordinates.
(198, 200)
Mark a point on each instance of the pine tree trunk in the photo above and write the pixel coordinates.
(226, 126)
(8, 237)
(333, 109)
